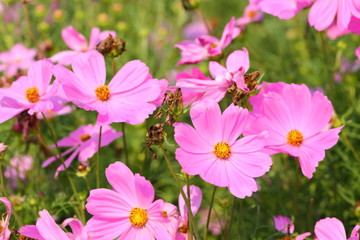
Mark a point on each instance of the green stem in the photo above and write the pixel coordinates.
(125, 145)
(52, 133)
(296, 193)
(28, 22)
(202, 16)
(190, 235)
(98, 167)
(229, 224)
(187, 202)
(209, 213)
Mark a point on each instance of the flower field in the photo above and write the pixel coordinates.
(179, 119)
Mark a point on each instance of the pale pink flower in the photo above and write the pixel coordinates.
(19, 165)
(252, 13)
(4, 223)
(32, 92)
(324, 12)
(83, 142)
(78, 43)
(46, 229)
(295, 120)
(171, 214)
(128, 211)
(334, 31)
(195, 202)
(333, 229)
(237, 64)
(17, 58)
(212, 150)
(195, 29)
(284, 9)
(216, 223)
(357, 52)
(127, 98)
(284, 224)
(194, 51)
(2, 147)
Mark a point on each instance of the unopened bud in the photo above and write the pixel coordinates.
(82, 170)
(112, 47)
(190, 4)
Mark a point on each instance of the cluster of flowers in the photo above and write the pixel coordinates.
(228, 149)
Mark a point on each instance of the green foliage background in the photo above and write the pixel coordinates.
(289, 51)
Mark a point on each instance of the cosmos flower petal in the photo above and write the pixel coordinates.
(322, 14)
(144, 190)
(192, 163)
(107, 204)
(240, 185)
(254, 164)
(283, 224)
(90, 67)
(309, 159)
(234, 120)
(101, 229)
(216, 69)
(330, 229)
(195, 144)
(48, 228)
(40, 74)
(73, 39)
(195, 200)
(31, 231)
(238, 60)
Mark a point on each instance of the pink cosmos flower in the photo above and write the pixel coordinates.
(195, 29)
(237, 64)
(19, 165)
(83, 142)
(195, 202)
(192, 87)
(46, 229)
(32, 92)
(333, 229)
(194, 51)
(17, 58)
(78, 43)
(4, 231)
(284, 9)
(127, 98)
(284, 224)
(324, 12)
(354, 25)
(334, 31)
(295, 120)
(252, 13)
(128, 211)
(171, 215)
(212, 150)
(357, 52)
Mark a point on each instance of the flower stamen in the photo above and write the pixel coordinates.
(85, 137)
(102, 93)
(32, 94)
(138, 217)
(295, 138)
(222, 150)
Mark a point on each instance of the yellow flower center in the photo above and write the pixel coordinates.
(183, 228)
(138, 217)
(85, 137)
(32, 94)
(164, 214)
(102, 93)
(295, 138)
(251, 14)
(222, 150)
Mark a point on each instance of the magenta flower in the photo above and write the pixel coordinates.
(46, 229)
(17, 58)
(284, 9)
(194, 51)
(284, 224)
(296, 122)
(171, 215)
(78, 43)
(83, 142)
(4, 231)
(195, 29)
(195, 202)
(324, 12)
(357, 52)
(32, 92)
(127, 98)
(2, 147)
(128, 211)
(354, 25)
(194, 86)
(333, 229)
(212, 150)
(237, 64)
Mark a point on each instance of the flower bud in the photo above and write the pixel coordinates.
(190, 4)
(112, 47)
